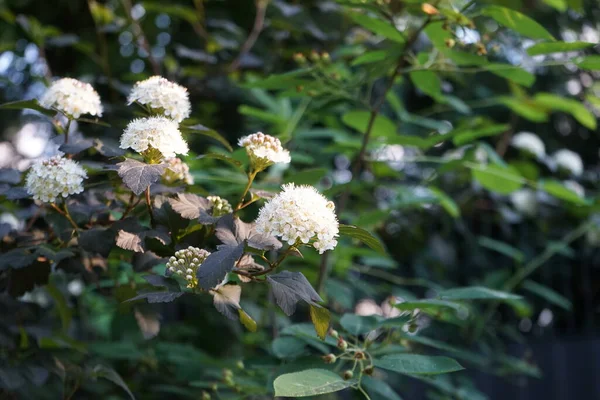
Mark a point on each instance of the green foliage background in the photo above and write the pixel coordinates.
(445, 86)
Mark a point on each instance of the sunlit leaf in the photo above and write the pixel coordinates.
(311, 382)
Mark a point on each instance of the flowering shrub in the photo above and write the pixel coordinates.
(367, 241)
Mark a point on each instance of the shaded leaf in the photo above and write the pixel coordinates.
(28, 104)
(226, 300)
(202, 130)
(148, 323)
(498, 179)
(157, 297)
(218, 264)
(476, 293)
(291, 287)
(518, 22)
(548, 294)
(362, 235)
(138, 176)
(502, 248)
(359, 120)
(570, 106)
(418, 364)
(377, 26)
(380, 388)
(130, 241)
(359, 325)
(189, 205)
(556, 47)
(101, 371)
(515, 74)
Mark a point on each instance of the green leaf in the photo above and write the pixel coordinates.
(202, 130)
(287, 347)
(362, 235)
(379, 27)
(64, 311)
(100, 371)
(222, 157)
(438, 36)
(591, 63)
(560, 5)
(377, 387)
(518, 22)
(29, 105)
(515, 74)
(446, 202)
(370, 57)
(310, 382)
(310, 176)
(358, 325)
(498, 179)
(502, 248)
(320, 318)
(418, 364)
(558, 190)
(570, 106)
(247, 320)
(556, 47)
(525, 108)
(428, 82)
(281, 81)
(427, 304)
(359, 120)
(548, 294)
(464, 136)
(476, 293)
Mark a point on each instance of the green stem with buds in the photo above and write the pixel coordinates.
(251, 176)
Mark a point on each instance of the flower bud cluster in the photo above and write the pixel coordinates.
(186, 262)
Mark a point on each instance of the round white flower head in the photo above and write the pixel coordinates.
(300, 214)
(219, 206)
(529, 142)
(367, 307)
(176, 171)
(163, 96)
(72, 97)
(185, 263)
(525, 201)
(54, 177)
(569, 160)
(575, 187)
(264, 150)
(158, 133)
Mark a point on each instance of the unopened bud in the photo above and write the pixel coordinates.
(348, 375)
(299, 88)
(369, 370)
(240, 364)
(325, 56)
(481, 50)
(227, 373)
(334, 334)
(205, 395)
(299, 58)
(342, 344)
(429, 9)
(314, 56)
(329, 358)
(450, 43)
(359, 355)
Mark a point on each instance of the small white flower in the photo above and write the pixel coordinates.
(575, 187)
(163, 96)
(569, 160)
(72, 97)
(53, 178)
(158, 133)
(264, 150)
(186, 263)
(177, 170)
(219, 206)
(300, 214)
(75, 287)
(525, 201)
(529, 142)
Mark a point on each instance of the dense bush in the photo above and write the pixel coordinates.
(421, 164)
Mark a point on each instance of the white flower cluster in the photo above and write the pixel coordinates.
(159, 133)
(264, 150)
(529, 142)
(186, 263)
(54, 177)
(300, 213)
(176, 171)
(163, 96)
(72, 97)
(569, 161)
(219, 206)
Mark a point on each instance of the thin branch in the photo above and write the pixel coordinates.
(149, 204)
(140, 38)
(259, 21)
(200, 17)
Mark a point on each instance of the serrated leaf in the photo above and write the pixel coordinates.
(130, 241)
(418, 364)
(138, 176)
(498, 179)
(556, 47)
(518, 22)
(291, 287)
(218, 264)
(157, 297)
(359, 325)
(202, 130)
(189, 205)
(476, 293)
(362, 235)
(28, 105)
(247, 321)
(377, 26)
(320, 318)
(310, 382)
(232, 230)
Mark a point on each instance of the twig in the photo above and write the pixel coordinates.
(198, 27)
(365, 142)
(149, 204)
(140, 38)
(130, 205)
(65, 213)
(259, 21)
(241, 204)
